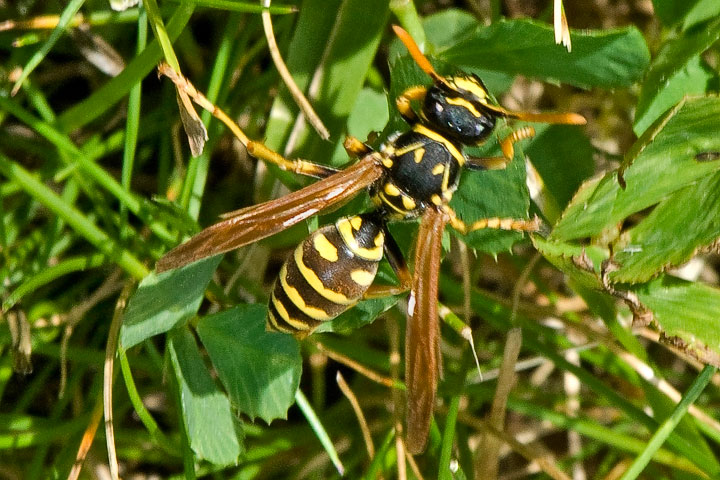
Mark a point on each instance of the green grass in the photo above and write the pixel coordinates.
(97, 182)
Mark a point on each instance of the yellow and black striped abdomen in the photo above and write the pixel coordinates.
(326, 274)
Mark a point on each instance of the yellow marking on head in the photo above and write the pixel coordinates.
(419, 154)
(356, 222)
(387, 162)
(461, 102)
(325, 249)
(297, 300)
(374, 254)
(423, 130)
(362, 277)
(435, 198)
(471, 85)
(391, 189)
(438, 169)
(315, 282)
(408, 203)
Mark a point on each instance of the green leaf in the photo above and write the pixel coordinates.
(608, 59)
(689, 12)
(361, 314)
(447, 27)
(259, 369)
(581, 263)
(563, 157)
(163, 301)
(209, 420)
(671, 234)
(677, 71)
(495, 193)
(687, 313)
(675, 153)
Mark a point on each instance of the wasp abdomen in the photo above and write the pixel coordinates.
(326, 274)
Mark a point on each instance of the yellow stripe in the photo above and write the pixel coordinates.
(419, 154)
(327, 250)
(275, 325)
(317, 284)
(435, 198)
(438, 169)
(375, 254)
(461, 102)
(296, 324)
(356, 222)
(423, 130)
(299, 302)
(362, 277)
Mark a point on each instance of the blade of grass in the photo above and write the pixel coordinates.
(409, 19)
(132, 125)
(48, 274)
(77, 158)
(65, 18)
(158, 27)
(73, 217)
(241, 7)
(605, 435)
(115, 89)
(196, 177)
(446, 446)
(317, 426)
(167, 444)
(662, 433)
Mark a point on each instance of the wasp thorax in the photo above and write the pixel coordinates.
(455, 109)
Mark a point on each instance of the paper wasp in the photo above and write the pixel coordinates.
(413, 174)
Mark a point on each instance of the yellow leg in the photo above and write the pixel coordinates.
(403, 102)
(496, 223)
(256, 149)
(507, 145)
(356, 148)
(395, 258)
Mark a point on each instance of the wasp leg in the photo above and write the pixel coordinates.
(299, 166)
(397, 261)
(403, 102)
(507, 145)
(256, 149)
(355, 148)
(495, 222)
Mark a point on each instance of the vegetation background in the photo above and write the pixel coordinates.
(591, 339)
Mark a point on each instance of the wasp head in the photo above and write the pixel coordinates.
(456, 107)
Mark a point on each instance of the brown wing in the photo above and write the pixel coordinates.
(422, 352)
(260, 221)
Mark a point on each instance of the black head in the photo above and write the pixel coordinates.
(456, 107)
